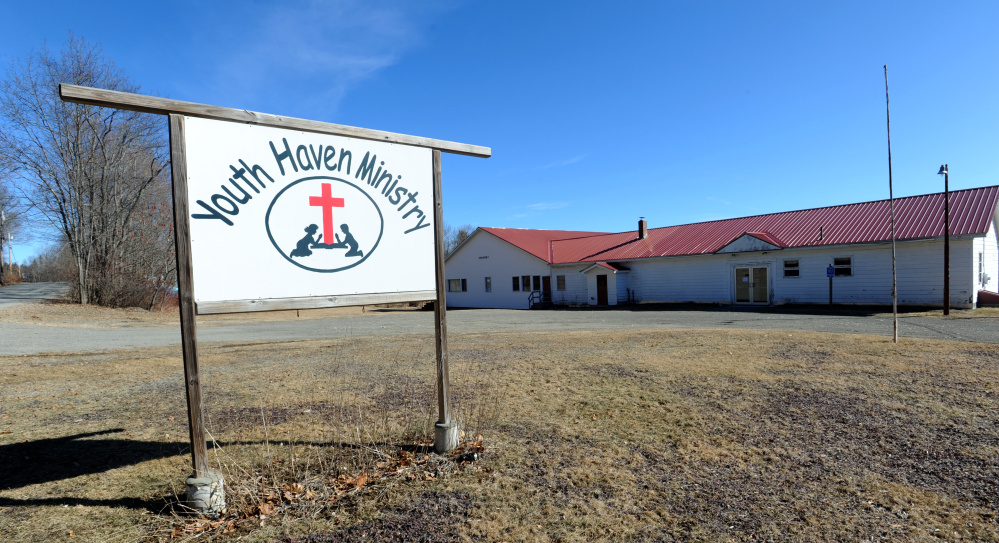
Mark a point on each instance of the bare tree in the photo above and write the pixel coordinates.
(11, 221)
(55, 263)
(84, 170)
(147, 252)
(455, 235)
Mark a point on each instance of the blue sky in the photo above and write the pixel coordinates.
(597, 113)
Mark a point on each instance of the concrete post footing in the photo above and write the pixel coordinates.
(206, 495)
(445, 436)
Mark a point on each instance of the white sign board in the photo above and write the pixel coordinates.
(281, 214)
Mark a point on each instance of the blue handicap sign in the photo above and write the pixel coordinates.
(830, 271)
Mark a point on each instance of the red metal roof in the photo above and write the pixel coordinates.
(916, 217)
(536, 242)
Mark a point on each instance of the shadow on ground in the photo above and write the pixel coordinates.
(153, 506)
(47, 460)
(56, 459)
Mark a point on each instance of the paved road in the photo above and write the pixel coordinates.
(19, 339)
(23, 293)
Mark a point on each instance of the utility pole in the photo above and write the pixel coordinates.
(946, 301)
(3, 220)
(891, 208)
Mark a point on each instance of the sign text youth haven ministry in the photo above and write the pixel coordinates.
(247, 181)
(289, 208)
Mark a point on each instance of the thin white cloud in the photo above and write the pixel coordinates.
(315, 52)
(547, 206)
(565, 162)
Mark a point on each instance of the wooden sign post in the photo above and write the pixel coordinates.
(446, 430)
(205, 489)
(259, 181)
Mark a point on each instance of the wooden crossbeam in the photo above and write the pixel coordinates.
(167, 106)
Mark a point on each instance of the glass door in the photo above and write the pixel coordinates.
(761, 290)
(743, 294)
(751, 285)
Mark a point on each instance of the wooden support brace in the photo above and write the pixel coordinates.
(445, 431)
(185, 284)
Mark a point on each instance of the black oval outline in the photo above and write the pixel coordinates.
(267, 223)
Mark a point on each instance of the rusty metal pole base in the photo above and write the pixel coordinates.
(206, 495)
(445, 437)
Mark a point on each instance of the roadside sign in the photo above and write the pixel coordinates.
(830, 271)
(279, 214)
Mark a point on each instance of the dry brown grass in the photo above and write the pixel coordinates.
(657, 436)
(76, 315)
(69, 314)
(976, 313)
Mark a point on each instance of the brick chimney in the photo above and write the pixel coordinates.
(643, 228)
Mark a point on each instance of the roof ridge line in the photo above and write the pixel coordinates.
(813, 208)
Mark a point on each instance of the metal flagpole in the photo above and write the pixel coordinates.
(891, 207)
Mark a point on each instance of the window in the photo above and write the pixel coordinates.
(526, 279)
(981, 268)
(457, 285)
(790, 268)
(559, 282)
(489, 284)
(843, 266)
(537, 282)
(516, 284)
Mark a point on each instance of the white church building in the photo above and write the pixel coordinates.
(780, 258)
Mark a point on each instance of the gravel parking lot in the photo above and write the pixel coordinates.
(18, 338)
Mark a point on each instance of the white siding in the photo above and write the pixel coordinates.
(591, 285)
(575, 285)
(921, 277)
(746, 243)
(989, 247)
(681, 279)
(484, 255)
(622, 280)
(919, 272)
(869, 281)
(710, 278)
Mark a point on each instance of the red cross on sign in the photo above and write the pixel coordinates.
(327, 202)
